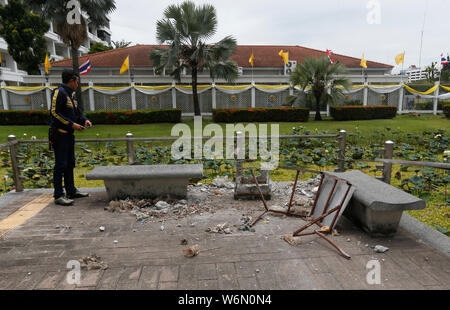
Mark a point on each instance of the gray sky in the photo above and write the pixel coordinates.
(346, 27)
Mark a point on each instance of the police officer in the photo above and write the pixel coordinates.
(66, 117)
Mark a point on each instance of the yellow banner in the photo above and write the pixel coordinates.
(445, 88)
(431, 90)
(154, 87)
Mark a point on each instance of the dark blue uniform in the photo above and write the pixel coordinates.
(64, 112)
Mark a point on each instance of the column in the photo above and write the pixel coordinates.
(435, 99)
(174, 96)
(366, 94)
(4, 96)
(253, 95)
(400, 100)
(133, 97)
(91, 96)
(213, 94)
(48, 95)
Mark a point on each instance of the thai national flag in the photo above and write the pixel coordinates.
(86, 67)
(329, 57)
(444, 61)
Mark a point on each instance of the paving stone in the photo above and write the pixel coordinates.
(248, 283)
(30, 281)
(227, 277)
(169, 274)
(110, 278)
(50, 280)
(206, 271)
(168, 285)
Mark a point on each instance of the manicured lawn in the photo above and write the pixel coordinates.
(405, 123)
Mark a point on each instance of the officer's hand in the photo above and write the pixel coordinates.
(77, 127)
(88, 124)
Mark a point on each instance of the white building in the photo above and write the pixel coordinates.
(11, 74)
(414, 74)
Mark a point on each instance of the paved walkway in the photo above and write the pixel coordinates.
(34, 255)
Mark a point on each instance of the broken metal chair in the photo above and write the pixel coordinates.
(331, 199)
(288, 211)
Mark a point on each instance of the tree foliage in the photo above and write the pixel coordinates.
(185, 28)
(24, 33)
(120, 44)
(73, 35)
(99, 47)
(323, 80)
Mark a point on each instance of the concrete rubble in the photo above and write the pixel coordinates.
(92, 262)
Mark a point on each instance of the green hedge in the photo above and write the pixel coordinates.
(96, 117)
(346, 113)
(446, 109)
(282, 114)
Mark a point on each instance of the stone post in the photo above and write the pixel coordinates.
(15, 163)
(341, 157)
(387, 168)
(130, 148)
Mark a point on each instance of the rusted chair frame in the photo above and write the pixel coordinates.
(325, 213)
(298, 170)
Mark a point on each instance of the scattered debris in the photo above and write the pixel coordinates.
(162, 227)
(191, 251)
(291, 239)
(92, 262)
(223, 182)
(63, 228)
(220, 228)
(184, 242)
(325, 228)
(161, 205)
(101, 228)
(380, 249)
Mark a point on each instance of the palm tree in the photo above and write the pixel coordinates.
(184, 29)
(73, 35)
(320, 76)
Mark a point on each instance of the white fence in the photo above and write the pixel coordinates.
(132, 97)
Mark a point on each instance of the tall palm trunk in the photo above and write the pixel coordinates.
(76, 70)
(318, 97)
(194, 91)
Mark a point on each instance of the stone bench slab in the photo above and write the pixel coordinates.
(146, 181)
(376, 206)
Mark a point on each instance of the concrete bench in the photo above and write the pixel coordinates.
(376, 206)
(146, 181)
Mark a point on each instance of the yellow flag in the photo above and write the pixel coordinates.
(363, 62)
(252, 57)
(47, 64)
(125, 65)
(285, 56)
(400, 58)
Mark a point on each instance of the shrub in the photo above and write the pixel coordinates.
(281, 114)
(446, 109)
(346, 113)
(96, 117)
(353, 102)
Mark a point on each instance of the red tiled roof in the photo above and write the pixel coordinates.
(265, 56)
